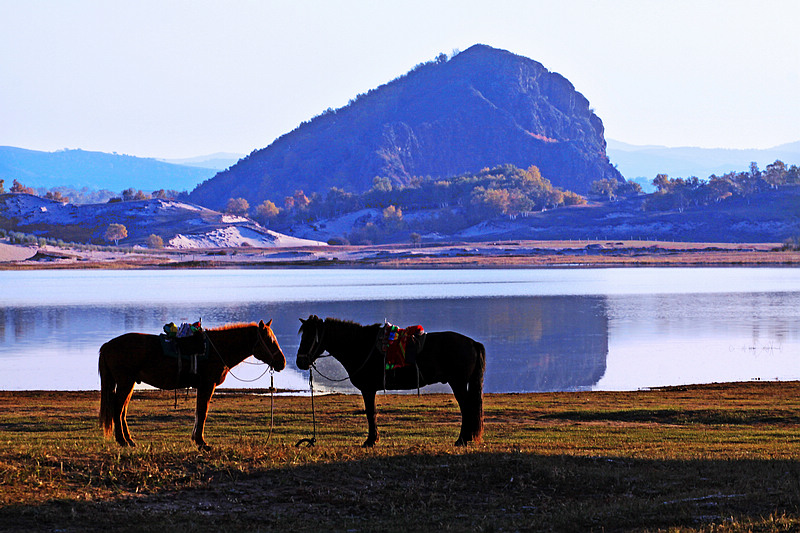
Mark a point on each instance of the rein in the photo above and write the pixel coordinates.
(318, 342)
(313, 440)
(230, 370)
(349, 375)
(268, 369)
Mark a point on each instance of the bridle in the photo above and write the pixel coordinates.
(252, 351)
(266, 346)
(316, 345)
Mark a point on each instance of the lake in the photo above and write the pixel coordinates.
(552, 329)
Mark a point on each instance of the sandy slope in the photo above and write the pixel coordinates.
(10, 252)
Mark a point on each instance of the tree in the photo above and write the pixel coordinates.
(154, 241)
(301, 201)
(496, 200)
(115, 232)
(2, 189)
(605, 187)
(662, 183)
(392, 218)
(165, 194)
(267, 210)
(18, 188)
(237, 206)
(381, 184)
(56, 196)
(775, 174)
(572, 198)
(338, 201)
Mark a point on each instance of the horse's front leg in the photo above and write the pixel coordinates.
(204, 394)
(369, 408)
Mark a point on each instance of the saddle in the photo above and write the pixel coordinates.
(400, 347)
(186, 342)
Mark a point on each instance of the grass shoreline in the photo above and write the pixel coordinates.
(719, 457)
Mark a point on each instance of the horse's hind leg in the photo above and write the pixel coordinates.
(122, 398)
(460, 392)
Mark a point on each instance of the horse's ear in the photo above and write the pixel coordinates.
(269, 324)
(261, 324)
(302, 321)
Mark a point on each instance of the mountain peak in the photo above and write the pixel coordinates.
(483, 108)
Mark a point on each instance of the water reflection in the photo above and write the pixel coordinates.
(532, 344)
(598, 333)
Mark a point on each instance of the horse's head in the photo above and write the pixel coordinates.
(267, 348)
(312, 330)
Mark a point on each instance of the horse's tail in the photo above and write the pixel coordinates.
(475, 391)
(107, 388)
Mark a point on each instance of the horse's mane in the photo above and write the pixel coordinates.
(235, 325)
(344, 329)
(347, 324)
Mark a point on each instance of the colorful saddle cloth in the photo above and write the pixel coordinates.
(401, 346)
(184, 343)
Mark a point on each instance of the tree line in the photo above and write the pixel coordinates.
(456, 202)
(679, 193)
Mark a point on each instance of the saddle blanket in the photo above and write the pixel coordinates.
(400, 346)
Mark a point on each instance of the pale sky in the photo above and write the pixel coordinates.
(174, 79)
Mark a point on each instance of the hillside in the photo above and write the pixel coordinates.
(95, 170)
(482, 108)
(771, 215)
(180, 225)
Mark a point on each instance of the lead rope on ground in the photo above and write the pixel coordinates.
(313, 440)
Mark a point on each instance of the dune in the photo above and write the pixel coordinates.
(9, 252)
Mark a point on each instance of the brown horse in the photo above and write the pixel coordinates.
(446, 357)
(138, 357)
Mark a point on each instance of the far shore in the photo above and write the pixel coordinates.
(496, 254)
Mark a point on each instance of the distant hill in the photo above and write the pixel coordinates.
(95, 170)
(217, 161)
(635, 161)
(482, 108)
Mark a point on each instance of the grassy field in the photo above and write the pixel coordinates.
(705, 458)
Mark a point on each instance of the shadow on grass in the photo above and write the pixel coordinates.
(682, 416)
(472, 491)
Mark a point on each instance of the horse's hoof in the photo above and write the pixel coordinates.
(204, 447)
(368, 444)
(461, 442)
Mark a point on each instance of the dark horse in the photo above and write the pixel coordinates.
(137, 357)
(446, 357)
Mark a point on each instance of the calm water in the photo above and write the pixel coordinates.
(544, 329)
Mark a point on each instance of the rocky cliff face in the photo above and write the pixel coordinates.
(482, 108)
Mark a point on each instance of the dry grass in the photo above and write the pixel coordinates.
(707, 458)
